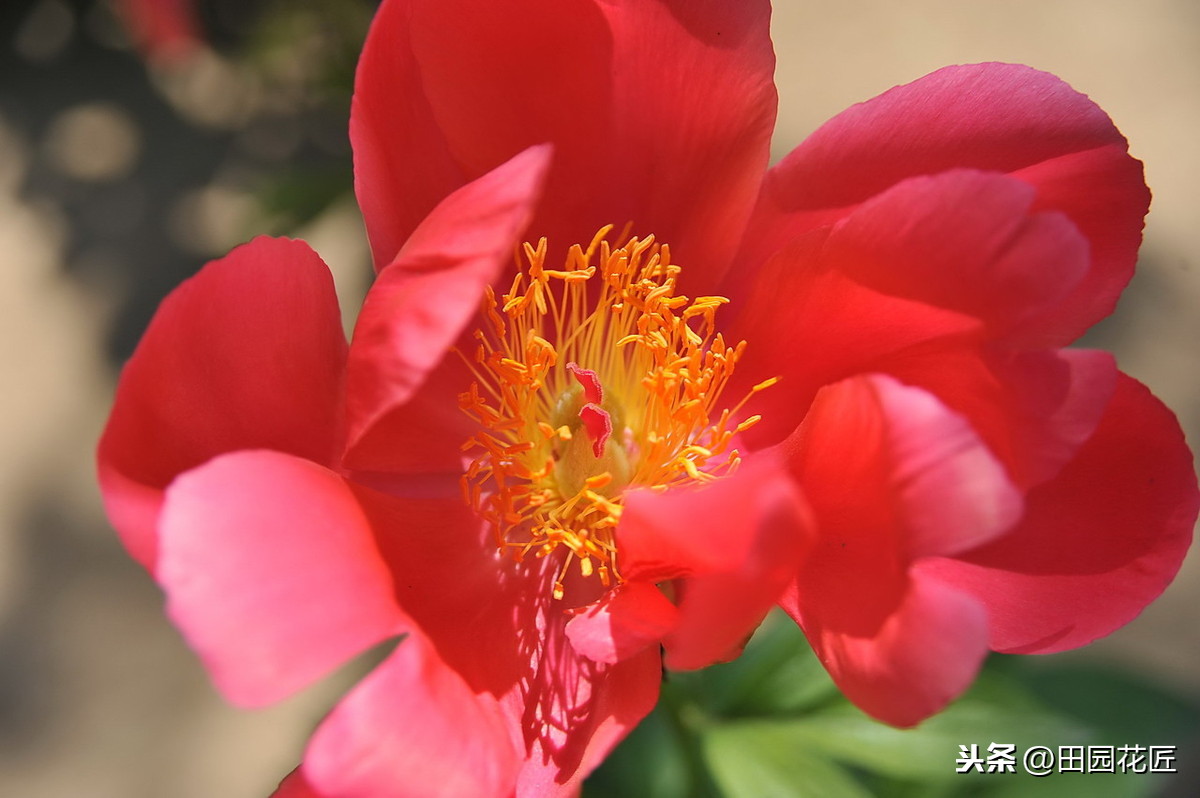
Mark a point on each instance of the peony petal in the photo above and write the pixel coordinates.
(493, 621)
(737, 542)
(810, 325)
(1098, 543)
(993, 117)
(421, 303)
(807, 322)
(576, 713)
(919, 658)
(622, 623)
(271, 573)
(966, 241)
(248, 353)
(892, 477)
(435, 107)
(295, 786)
(413, 728)
(1033, 409)
(1103, 191)
(697, 126)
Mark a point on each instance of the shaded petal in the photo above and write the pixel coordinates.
(577, 711)
(434, 107)
(692, 134)
(737, 543)
(893, 476)
(420, 303)
(1103, 191)
(249, 353)
(1098, 543)
(413, 728)
(810, 325)
(295, 786)
(623, 622)
(966, 241)
(996, 117)
(493, 621)
(271, 573)
(1033, 409)
(921, 656)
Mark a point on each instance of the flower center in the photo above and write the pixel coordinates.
(590, 380)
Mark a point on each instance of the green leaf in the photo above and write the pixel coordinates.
(993, 712)
(651, 761)
(776, 674)
(757, 759)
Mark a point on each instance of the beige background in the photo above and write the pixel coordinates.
(98, 696)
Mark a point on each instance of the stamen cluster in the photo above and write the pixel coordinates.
(542, 475)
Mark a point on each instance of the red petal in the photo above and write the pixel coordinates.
(295, 786)
(738, 541)
(966, 241)
(995, 117)
(811, 326)
(493, 621)
(622, 623)
(413, 728)
(921, 656)
(447, 90)
(893, 476)
(421, 303)
(1034, 409)
(247, 354)
(271, 573)
(1098, 543)
(1103, 191)
(692, 133)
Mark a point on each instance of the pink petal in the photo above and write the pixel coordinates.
(622, 623)
(435, 107)
(993, 117)
(247, 354)
(738, 541)
(966, 241)
(577, 711)
(1103, 191)
(1098, 543)
(1033, 409)
(811, 325)
(921, 656)
(807, 322)
(271, 573)
(413, 728)
(493, 621)
(893, 476)
(422, 302)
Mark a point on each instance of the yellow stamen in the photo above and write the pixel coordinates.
(542, 477)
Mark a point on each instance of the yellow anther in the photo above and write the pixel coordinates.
(548, 483)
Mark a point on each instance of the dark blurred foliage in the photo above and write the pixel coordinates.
(259, 109)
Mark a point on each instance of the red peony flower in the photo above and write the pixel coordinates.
(837, 384)
(161, 29)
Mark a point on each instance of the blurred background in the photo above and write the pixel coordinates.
(140, 138)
